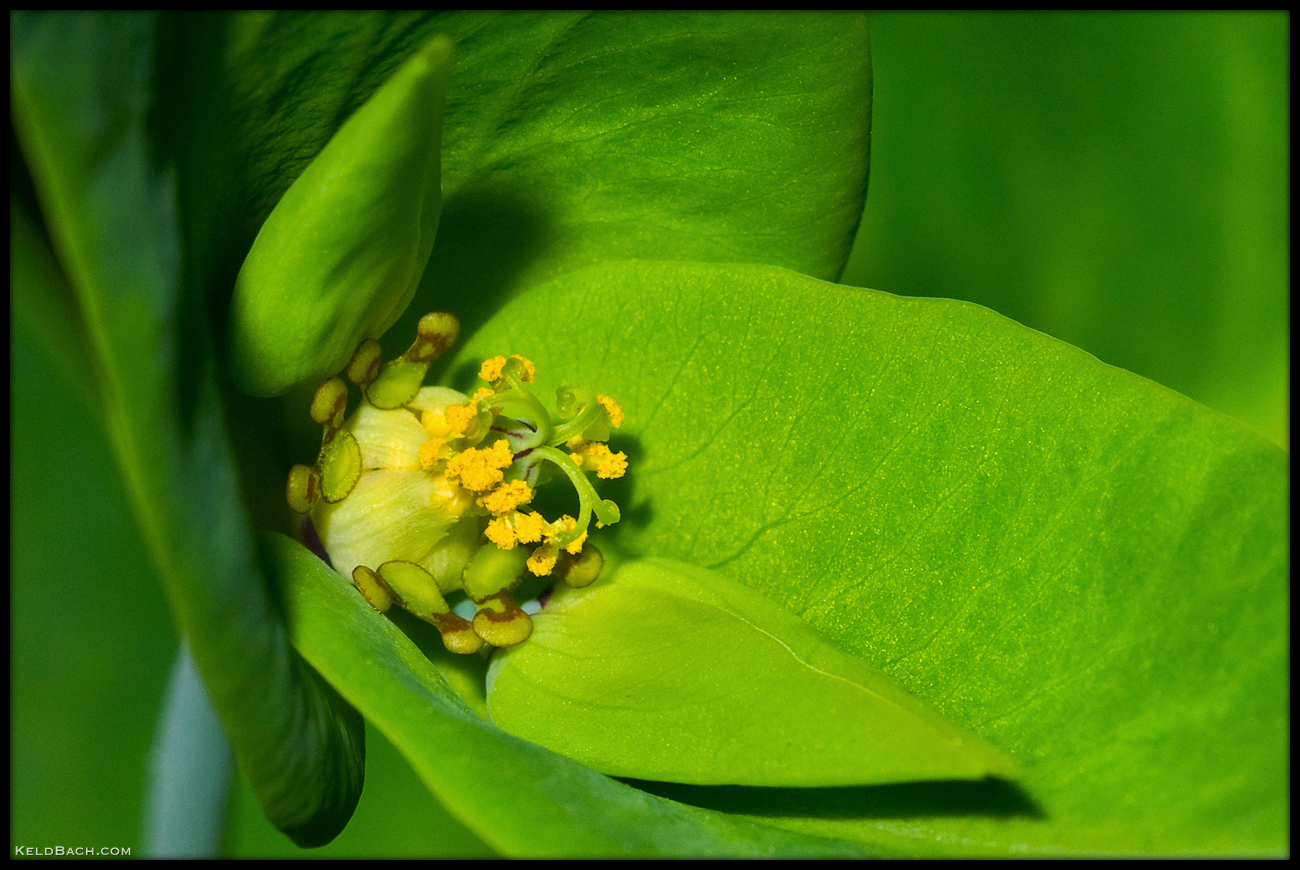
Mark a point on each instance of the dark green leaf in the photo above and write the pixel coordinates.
(46, 305)
(568, 138)
(111, 212)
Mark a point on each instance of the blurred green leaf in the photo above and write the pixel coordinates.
(1116, 180)
(1082, 566)
(90, 635)
(612, 677)
(516, 796)
(111, 213)
(44, 303)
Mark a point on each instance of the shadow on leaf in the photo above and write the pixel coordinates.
(989, 797)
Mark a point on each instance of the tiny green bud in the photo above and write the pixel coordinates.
(340, 257)
(303, 489)
(329, 403)
(365, 364)
(399, 380)
(340, 467)
(581, 570)
(372, 588)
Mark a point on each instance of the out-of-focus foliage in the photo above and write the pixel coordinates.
(1117, 181)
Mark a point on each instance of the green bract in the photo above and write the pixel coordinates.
(340, 257)
(716, 686)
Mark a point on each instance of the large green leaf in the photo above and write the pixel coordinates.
(568, 138)
(1085, 567)
(516, 796)
(111, 214)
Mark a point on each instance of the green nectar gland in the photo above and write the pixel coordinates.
(425, 491)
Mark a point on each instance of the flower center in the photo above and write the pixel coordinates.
(425, 491)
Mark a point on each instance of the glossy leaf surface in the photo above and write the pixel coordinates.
(568, 138)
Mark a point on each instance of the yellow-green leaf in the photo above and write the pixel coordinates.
(675, 673)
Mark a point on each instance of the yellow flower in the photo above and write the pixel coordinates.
(401, 490)
(399, 509)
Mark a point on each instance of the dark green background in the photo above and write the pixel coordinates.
(1117, 181)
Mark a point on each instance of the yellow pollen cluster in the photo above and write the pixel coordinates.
(516, 528)
(564, 525)
(543, 559)
(507, 497)
(459, 417)
(598, 457)
(443, 426)
(432, 452)
(492, 368)
(480, 469)
(612, 408)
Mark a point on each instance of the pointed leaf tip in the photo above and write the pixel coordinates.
(673, 673)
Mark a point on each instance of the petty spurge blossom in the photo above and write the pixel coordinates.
(424, 491)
